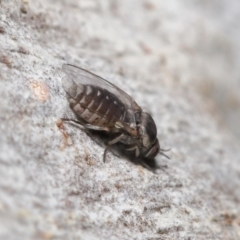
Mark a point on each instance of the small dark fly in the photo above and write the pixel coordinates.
(101, 106)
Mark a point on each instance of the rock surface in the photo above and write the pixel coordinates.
(53, 182)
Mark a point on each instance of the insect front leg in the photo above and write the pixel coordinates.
(136, 148)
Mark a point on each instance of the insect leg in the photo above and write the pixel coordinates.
(134, 148)
(115, 140)
(88, 126)
(97, 128)
(132, 131)
(73, 122)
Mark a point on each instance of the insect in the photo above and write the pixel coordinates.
(101, 106)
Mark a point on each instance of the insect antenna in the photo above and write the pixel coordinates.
(165, 150)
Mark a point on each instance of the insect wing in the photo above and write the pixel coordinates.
(79, 75)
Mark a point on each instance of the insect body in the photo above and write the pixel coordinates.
(101, 106)
(96, 105)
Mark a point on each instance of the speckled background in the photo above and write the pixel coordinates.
(179, 61)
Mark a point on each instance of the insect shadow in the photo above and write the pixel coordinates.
(102, 138)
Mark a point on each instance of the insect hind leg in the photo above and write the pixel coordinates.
(84, 124)
(74, 122)
(115, 140)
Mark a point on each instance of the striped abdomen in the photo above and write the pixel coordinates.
(96, 105)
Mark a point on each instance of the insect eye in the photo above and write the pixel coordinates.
(154, 150)
(149, 126)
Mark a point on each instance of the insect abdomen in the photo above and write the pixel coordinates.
(96, 105)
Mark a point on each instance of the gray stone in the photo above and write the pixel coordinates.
(53, 182)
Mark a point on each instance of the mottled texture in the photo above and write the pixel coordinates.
(53, 182)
